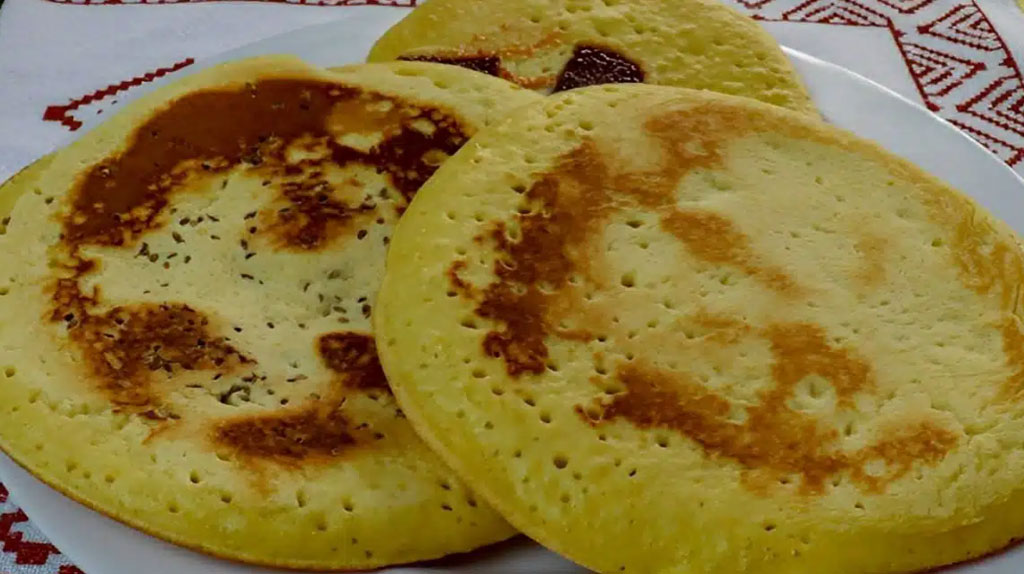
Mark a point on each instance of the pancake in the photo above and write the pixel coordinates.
(555, 45)
(664, 331)
(186, 300)
(11, 189)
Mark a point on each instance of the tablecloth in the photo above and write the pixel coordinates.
(65, 61)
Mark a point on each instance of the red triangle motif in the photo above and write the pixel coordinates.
(1004, 150)
(967, 25)
(907, 6)
(754, 5)
(1001, 104)
(843, 12)
(938, 73)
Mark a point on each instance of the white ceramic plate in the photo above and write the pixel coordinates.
(102, 546)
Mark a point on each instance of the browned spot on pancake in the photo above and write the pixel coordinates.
(486, 64)
(460, 285)
(212, 131)
(773, 438)
(492, 61)
(872, 252)
(718, 328)
(1013, 348)
(571, 204)
(315, 431)
(988, 265)
(986, 262)
(593, 65)
(715, 239)
(920, 442)
(800, 350)
(291, 133)
(132, 349)
(354, 357)
(319, 428)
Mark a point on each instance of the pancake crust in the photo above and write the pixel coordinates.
(672, 331)
(562, 44)
(186, 298)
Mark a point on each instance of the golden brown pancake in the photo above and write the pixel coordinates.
(556, 45)
(186, 296)
(670, 331)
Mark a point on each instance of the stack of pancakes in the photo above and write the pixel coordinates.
(591, 270)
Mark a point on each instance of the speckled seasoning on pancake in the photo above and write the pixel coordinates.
(557, 45)
(688, 332)
(186, 296)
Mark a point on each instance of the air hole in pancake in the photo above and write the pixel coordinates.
(109, 479)
(769, 527)
(321, 524)
(632, 473)
(4, 291)
(937, 242)
(194, 478)
(173, 508)
(9, 372)
(460, 414)
(70, 466)
(517, 454)
(497, 391)
(469, 323)
(560, 461)
(545, 417)
(662, 441)
(86, 474)
(300, 499)
(535, 19)
(530, 401)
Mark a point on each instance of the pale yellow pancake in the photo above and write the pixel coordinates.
(186, 294)
(562, 44)
(667, 331)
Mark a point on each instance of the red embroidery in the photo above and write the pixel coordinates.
(965, 24)
(34, 553)
(842, 12)
(942, 50)
(69, 569)
(62, 113)
(999, 147)
(1001, 103)
(938, 73)
(907, 6)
